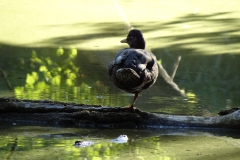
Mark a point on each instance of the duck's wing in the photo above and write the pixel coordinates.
(118, 60)
(150, 72)
(150, 75)
(121, 73)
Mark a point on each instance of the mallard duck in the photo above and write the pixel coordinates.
(133, 69)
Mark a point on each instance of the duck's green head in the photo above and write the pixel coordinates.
(135, 39)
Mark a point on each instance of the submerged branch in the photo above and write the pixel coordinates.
(4, 76)
(175, 67)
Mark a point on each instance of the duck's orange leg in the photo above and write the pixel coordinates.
(134, 100)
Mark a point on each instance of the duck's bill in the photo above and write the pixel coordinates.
(124, 40)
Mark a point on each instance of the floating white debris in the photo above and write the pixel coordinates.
(120, 139)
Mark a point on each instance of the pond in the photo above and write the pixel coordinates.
(37, 142)
(60, 50)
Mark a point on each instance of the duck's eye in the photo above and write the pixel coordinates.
(129, 38)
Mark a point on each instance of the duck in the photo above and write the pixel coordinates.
(133, 69)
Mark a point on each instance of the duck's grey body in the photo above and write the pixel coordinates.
(133, 69)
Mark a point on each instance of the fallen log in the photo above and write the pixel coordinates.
(44, 112)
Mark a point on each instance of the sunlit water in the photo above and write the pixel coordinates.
(32, 142)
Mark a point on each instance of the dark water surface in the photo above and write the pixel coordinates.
(36, 142)
(210, 82)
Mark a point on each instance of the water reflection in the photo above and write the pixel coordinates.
(32, 142)
(70, 75)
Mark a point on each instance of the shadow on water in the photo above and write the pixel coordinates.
(99, 32)
(209, 79)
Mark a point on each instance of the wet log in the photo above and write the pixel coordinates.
(75, 115)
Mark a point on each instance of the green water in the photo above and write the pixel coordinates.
(32, 142)
(59, 50)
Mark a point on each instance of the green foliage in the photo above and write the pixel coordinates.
(55, 74)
